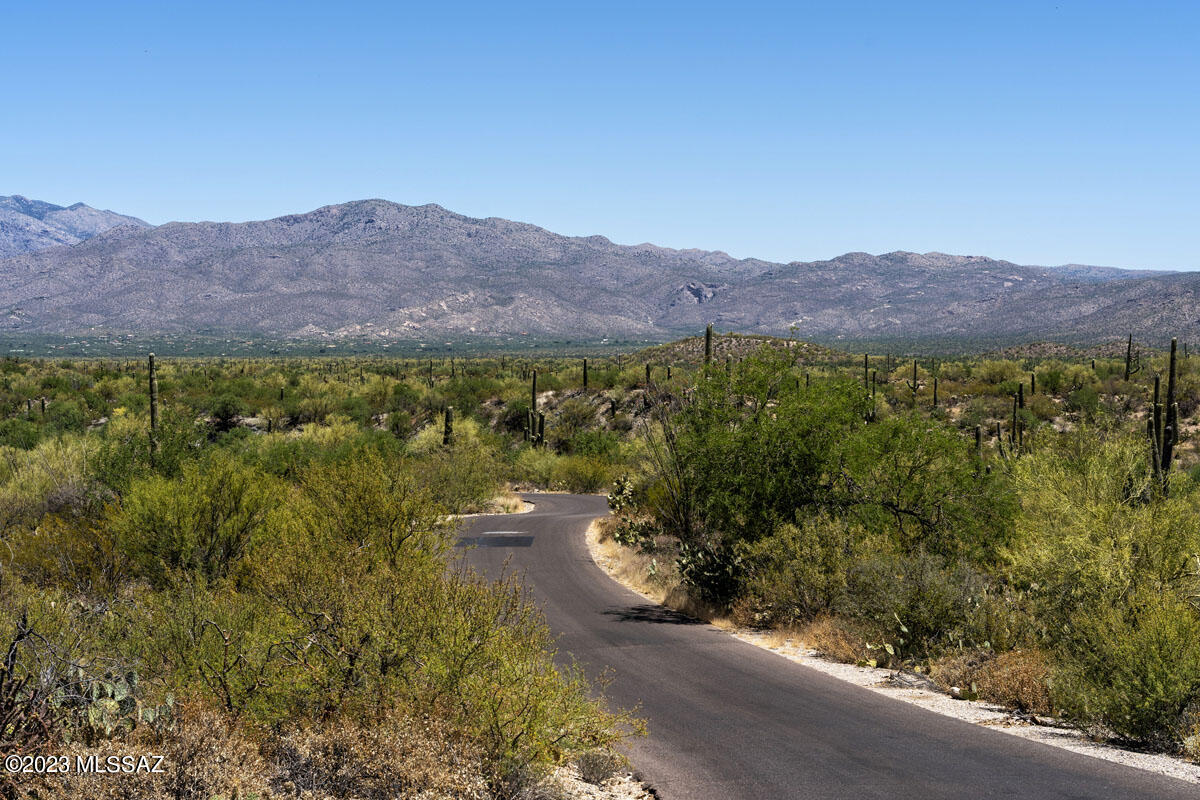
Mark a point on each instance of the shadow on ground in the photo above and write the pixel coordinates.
(650, 613)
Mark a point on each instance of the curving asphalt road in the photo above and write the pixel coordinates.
(730, 721)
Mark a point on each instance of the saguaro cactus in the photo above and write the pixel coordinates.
(448, 427)
(708, 353)
(541, 430)
(533, 392)
(647, 374)
(585, 375)
(1165, 433)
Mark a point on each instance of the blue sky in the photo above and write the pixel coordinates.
(1041, 132)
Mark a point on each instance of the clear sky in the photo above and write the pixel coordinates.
(1041, 132)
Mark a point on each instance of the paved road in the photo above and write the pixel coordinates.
(730, 721)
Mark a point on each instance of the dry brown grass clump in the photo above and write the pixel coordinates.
(208, 757)
(836, 638)
(1017, 679)
(205, 756)
(397, 757)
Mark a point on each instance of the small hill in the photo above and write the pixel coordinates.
(736, 346)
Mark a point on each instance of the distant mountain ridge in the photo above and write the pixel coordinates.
(30, 225)
(386, 271)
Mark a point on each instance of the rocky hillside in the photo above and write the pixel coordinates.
(30, 225)
(384, 271)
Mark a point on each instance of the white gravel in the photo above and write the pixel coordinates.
(566, 783)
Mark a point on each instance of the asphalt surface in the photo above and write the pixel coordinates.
(731, 721)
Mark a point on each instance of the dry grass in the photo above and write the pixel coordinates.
(205, 756)
(835, 638)
(397, 757)
(506, 503)
(1017, 679)
(208, 757)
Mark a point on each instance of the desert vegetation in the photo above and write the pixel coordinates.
(1026, 531)
(248, 561)
(246, 568)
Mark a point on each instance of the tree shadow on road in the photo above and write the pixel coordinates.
(651, 613)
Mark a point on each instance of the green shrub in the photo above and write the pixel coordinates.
(1133, 669)
(1085, 400)
(204, 521)
(801, 569)
(584, 474)
(20, 433)
(927, 604)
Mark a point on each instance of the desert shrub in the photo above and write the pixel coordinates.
(601, 444)
(598, 766)
(51, 477)
(515, 416)
(1103, 557)
(572, 416)
(1017, 679)
(70, 550)
(19, 433)
(729, 471)
(908, 478)
(535, 466)
(578, 473)
(225, 409)
(1041, 407)
(924, 603)
(66, 416)
(123, 452)
(983, 410)
(1050, 376)
(1084, 400)
(462, 477)
(997, 371)
(801, 569)
(1133, 669)
(204, 521)
(374, 498)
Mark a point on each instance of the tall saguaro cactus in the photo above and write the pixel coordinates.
(1132, 365)
(585, 375)
(1162, 427)
(708, 353)
(448, 427)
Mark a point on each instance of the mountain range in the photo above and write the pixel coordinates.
(29, 225)
(383, 271)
